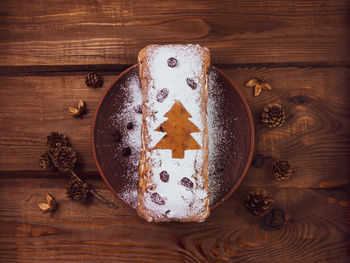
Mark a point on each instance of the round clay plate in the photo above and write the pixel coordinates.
(116, 136)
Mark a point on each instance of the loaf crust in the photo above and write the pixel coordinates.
(173, 184)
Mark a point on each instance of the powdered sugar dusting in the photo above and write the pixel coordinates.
(220, 136)
(131, 138)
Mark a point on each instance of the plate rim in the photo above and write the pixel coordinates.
(252, 138)
(250, 119)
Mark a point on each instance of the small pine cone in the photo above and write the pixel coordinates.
(258, 202)
(93, 80)
(64, 158)
(56, 139)
(45, 161)
(77, 190)
(273, 115)
(281, 170)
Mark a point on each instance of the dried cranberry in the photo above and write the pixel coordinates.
(187, 182)
(172, 62)
(164, 176)
(130, 126)
(162, 94)
(126, 151)
(138, 109)
(191, 83)
(156, 198)
(116, 136)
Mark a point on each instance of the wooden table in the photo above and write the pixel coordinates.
(300, 47)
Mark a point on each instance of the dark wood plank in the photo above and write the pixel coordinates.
(56, 32)
(315, 231)
(315, 137)
(32, 107)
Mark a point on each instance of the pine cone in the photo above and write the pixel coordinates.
(273, 115)
(77, 190)
(56, 139)
(93, 80)
(64, 158)
(258, 202)
(281, 170)
(45, 161)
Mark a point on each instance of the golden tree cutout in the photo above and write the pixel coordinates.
(178, 131)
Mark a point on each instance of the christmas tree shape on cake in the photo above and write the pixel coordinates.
(178, 129)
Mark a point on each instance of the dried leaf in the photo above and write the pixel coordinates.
(49, 206)
(257, 90)
(79, 111)
(51, 201)
(258, 84)
(266, 85)
(74, 111)
(44, 207)
(81, 106)
(251, 83)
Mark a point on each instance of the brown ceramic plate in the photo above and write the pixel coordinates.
(231, 135)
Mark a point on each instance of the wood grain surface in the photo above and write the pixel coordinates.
(315, 229)
(60, 32)
(300, 47)
(316, 101)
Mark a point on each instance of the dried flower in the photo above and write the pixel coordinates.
(281, 170)
(259, 84)
(273, 116)
(49, 206)
(257, 90)
(258, 202)
(93, 80)
(64, 158)
(79, 111)
(77, 190)
(56, 139)
(251, 83)
(45, 161)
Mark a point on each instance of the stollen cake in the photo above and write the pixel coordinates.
(173, 184)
